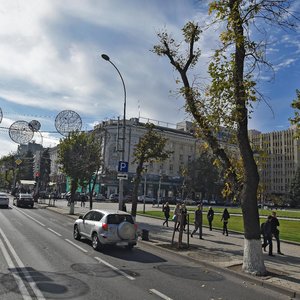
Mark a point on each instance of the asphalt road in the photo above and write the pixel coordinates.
(39, 259)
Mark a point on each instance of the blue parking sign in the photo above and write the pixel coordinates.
(123, 166)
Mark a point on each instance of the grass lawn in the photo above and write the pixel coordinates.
(289, 230)
(262, 212)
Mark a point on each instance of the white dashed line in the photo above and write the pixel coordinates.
(26, 275)
(58, 234)
(159, 294)
(35, 220)
(114, 268)
(83, 250)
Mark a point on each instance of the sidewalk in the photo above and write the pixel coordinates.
(215, 249)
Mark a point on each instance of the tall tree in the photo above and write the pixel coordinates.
(229, 97)
(95, 161)
(150, 148)
(80, 157)
(8, 164)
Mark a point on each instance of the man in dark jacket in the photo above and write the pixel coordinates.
(198, 221)
(275, 231)
(267, 233)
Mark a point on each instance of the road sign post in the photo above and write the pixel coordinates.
(122, 169)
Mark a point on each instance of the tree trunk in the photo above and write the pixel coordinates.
(74, 184)
(137, 181)
(253, 259)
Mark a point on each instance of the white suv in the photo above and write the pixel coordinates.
(106, 227)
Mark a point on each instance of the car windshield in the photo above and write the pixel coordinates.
(117, 219)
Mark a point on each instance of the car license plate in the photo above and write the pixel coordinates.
(122, 244)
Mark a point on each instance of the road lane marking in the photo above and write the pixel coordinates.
(159, 294)
(83, 250)
(114, 268)
(22, 288)
(35, 220)
(58, 234)
(23, 269)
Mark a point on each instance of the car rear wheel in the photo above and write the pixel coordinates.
(126, 231)
(76, 233)
(95, 242)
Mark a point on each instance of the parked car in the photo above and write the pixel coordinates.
(127, 198)
(148, 199)
(4, 200)
(106, 227)
(100, 197)
(190, 202)
(114, 197)
(23, 200)
(44, 194)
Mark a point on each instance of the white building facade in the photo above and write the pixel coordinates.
(282, 157)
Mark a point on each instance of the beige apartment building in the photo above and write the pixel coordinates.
(168, 174)
(179, 140)
(279, 162)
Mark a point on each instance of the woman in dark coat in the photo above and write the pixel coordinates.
(225, 217)
(210, 217)
(166, 210)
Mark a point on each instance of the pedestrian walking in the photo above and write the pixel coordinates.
(262, 231)
(225, 218)
(82, 199)
(210, 217)
(166, 210)
(176, 215)
(183, 212)
(275, 230)
(198, 221)
(267, 234)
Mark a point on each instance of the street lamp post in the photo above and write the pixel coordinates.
(121, 183)
(159, 187)
(145, 190)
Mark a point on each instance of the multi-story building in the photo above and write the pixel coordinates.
(163, 179)
(165, 176)
(279, 161)
(33, 147)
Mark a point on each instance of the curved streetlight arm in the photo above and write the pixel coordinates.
(106, 57)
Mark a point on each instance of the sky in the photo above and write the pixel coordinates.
(51, 62)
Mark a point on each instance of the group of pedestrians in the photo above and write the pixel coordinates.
(269, 230)
(180, 216)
